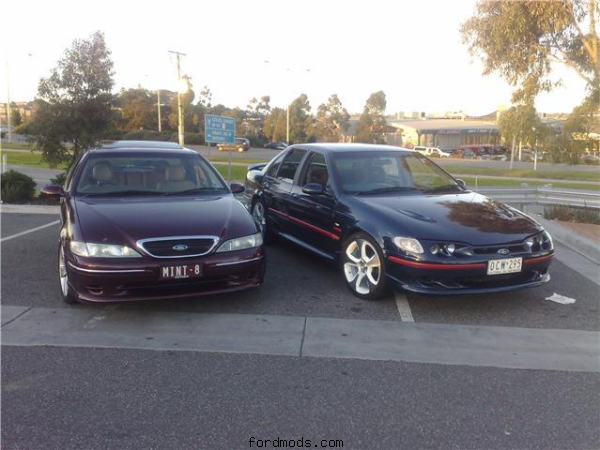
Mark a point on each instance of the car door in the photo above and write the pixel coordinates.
(277, 186)
(313, 215)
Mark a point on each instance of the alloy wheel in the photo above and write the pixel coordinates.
(258, 213)
(363, 266)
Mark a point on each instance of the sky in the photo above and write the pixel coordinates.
(242, 49)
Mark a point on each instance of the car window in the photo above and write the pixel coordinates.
(290, 164)
(146, 173)
(275, 166)
(374, 172)
(316, 171)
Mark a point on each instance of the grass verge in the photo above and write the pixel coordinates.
(237, 172)
(27, 159)
(524, 173)
(494, 182)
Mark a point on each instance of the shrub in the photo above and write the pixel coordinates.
(148, 135)
(193, 138)
(16, 187)
(59, 179)
(572, 214)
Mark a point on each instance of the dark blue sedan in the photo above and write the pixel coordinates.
(392, 217)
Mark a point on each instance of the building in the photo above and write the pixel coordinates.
(446, 134)
(25, 110)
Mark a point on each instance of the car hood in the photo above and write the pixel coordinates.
(461, 217)
(127, 220)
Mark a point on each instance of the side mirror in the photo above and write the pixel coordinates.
(255, 176)
(237, 188)
(313, 189)
(52, 190)
(257, 166)
(461, 183)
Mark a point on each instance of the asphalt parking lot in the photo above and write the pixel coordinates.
(300, 284)
(73, 396)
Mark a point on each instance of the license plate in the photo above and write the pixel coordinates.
(180, 272)
(508, 265)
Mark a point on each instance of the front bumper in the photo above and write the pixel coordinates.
(469, 278)
(138, 279)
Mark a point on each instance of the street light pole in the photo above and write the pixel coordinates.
(158, 103)
(8, 109)
(179, 105)
(287, 126)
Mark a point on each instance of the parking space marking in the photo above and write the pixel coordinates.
(403, 307)
(91, 324)
(32, 230)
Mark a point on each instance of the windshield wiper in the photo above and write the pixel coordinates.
(387, 189)
(193, 191)
(445, 187)
(123, 193)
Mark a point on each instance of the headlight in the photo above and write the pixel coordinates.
(548, 239)
(254, 240)
(103, 250)
(409, 245)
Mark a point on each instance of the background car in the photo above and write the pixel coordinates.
(591, 159)
(392, 217)
(276, 145)
(152, 220)
(469, 154)
(238, 145)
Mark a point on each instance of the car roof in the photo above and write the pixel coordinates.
(142, 145)
(340, 147)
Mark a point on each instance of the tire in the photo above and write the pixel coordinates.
(259, 214)
(66, 293)
(363, 267)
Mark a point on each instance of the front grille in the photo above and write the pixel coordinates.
(178, 247)
(514, 249)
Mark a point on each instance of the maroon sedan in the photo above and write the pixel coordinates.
(144, 221)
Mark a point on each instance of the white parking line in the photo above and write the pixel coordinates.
(22, 233)
(403, 307)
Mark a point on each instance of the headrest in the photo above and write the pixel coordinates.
(175, 173)
(376, 173)
(102, 171)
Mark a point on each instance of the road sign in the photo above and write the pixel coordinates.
(219, 129)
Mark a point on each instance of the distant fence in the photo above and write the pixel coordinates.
(544, 196)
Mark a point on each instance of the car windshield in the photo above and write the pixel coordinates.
(139, 173)
(391, 172)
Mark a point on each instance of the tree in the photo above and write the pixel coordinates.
(74, 103)
(256, 113)
(520, 124)
(274, 125)
(372, 125)
(17, 119)
(138, 109)
(523, 40)
(300, 119)
(332, 119)
(576, 136)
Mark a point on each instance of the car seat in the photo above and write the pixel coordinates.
(175, 180)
